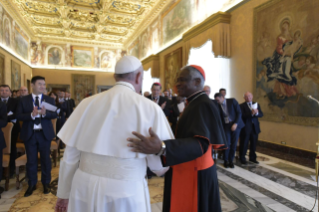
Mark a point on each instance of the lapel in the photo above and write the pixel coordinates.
(30, 101)
(229, 105)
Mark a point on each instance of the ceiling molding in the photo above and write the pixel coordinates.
(220, 17)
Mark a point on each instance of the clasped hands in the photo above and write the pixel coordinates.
(147, 145)
(254, 112)
(36, 111)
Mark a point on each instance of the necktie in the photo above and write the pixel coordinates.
(37, 120)
(5, 101)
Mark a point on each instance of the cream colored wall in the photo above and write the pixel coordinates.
(26, 71)
(65, 77)
(242, 21)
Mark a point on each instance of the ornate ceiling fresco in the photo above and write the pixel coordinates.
(100, 22)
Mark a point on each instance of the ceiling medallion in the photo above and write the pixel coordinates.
(45, 21)
(127, 8)
(50, 31)
(40, 8)
(93, 4)
(84, 16)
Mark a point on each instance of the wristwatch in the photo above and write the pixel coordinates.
(163, 149)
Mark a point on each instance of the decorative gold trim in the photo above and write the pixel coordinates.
(150, 58)
(85, 4)
(84, 49)
(211, 21)
(125, 6)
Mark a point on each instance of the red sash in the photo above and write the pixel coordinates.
(184, 191)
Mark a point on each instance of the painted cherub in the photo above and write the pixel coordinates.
(294, 46)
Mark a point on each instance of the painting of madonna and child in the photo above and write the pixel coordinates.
(287, 60)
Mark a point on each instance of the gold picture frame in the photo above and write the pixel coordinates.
(82, 57)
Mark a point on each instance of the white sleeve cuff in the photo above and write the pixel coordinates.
(155, 164)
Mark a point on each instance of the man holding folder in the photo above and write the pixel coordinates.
(37, 133)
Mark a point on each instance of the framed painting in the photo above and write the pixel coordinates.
(55, 56)
(21, 43)
(176, 20)
(102, 88)
(58, 87)
(82, 57)
(82, 86)
(2, 68)
(173, 63)
(286, 61)
(15, 76)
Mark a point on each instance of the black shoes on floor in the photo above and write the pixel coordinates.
(229, 165)
(29, 191)
(46, 190)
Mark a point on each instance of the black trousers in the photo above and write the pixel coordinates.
(232, 139)
(13, 154)
(245, 139)
(38, 143)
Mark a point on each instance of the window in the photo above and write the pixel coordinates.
(148, 81)
(217, 70)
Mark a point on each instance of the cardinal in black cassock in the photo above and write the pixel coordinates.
(191, 184)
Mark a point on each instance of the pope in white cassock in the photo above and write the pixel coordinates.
(98, 171)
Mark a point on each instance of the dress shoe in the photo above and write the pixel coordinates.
(254, 161)
(243, 162)
(231, 165)
(29, 191)
(46, 189)
(226, 164)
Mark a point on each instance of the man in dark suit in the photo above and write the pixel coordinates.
(251, 130)
(37, 133)
(3, 123)
(230, 114)
(70, 104)
(11, 104)
(158, 99)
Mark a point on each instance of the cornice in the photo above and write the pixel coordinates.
(150, 58)
(220, 17)
(106, 45)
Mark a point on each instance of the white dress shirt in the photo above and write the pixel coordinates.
(39, 126)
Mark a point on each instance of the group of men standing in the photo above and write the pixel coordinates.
(240, 121)
(36, 131)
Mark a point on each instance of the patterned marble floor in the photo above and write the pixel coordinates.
(273, 185)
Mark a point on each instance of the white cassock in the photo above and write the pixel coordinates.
(98, 171)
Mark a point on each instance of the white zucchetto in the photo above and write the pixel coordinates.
(127, 64)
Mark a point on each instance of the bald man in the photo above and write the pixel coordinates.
(23, 91)
(207, 90)
(251, 130)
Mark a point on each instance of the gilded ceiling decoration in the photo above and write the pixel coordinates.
(104, 22)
